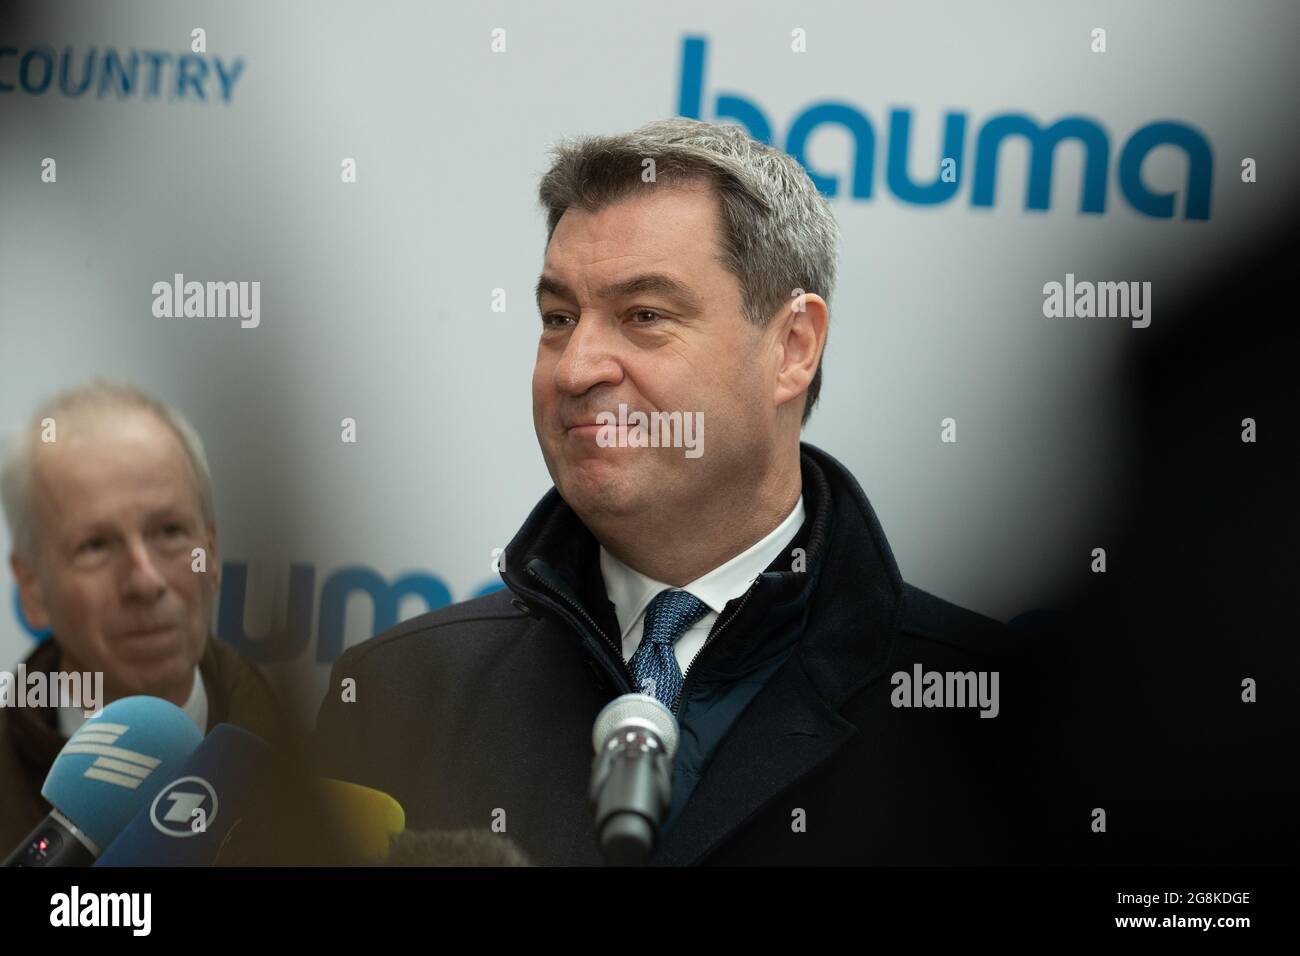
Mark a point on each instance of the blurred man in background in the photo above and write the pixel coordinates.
(109, 503)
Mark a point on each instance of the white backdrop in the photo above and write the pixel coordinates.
(376, 296)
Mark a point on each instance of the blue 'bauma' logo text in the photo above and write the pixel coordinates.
(1042, 141)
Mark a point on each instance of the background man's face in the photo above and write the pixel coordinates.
(651, 350)
(117, 516)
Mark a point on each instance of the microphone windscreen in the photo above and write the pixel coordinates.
(214, 786)
(116, 763)
(635, 712)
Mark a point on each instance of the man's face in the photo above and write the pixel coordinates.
(653, 350)
(117, 517)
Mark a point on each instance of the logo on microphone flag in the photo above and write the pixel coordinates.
(184, 797)
(115, 765)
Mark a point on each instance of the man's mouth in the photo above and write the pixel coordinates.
(157, 630)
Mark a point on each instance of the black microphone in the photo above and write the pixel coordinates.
(220, 781)
(635, 738)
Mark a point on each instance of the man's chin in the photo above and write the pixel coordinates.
(149, 684)
(153, 675)
(598, 488)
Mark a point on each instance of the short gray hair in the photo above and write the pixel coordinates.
(98, 396)
(778, 232)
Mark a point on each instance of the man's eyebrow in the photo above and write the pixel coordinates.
(555, 287)
(650, 282)
(171, 510)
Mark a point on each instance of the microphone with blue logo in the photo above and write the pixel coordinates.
(111, 768)
(188, 822)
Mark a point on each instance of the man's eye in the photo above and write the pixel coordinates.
(554, 320)
(91, 545)
(650, 312)
(172, 530)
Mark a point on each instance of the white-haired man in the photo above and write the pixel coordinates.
(108, 498)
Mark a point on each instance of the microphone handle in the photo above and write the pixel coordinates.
(54, 843)
(632, 796)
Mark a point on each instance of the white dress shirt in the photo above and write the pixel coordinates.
(630, 591)
(196, 708)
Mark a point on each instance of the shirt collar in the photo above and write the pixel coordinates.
(196, 708)
(630, 591)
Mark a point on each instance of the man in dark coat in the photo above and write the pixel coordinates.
(829, 713)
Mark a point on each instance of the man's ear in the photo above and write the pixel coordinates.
(30, 596)
(801, 338)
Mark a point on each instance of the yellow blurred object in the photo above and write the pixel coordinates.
(366, 820)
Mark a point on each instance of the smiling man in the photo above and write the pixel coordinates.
(638, 308)
(107, 495)
(688, 272)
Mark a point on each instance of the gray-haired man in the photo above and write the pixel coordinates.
(109, 503)
(687, 279)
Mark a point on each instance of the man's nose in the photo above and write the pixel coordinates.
(589, 358)
(143, 580)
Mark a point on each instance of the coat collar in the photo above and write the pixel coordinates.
(852, 606)
(850, 583)
(850, 597)
(35, 730)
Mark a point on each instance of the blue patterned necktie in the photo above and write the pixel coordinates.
(654, 665)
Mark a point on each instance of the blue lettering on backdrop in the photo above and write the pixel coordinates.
(209, 78)
(341, 586)
(1042, 142)
(293, 638)
(385, 598)
(206, 77)
(273, 646)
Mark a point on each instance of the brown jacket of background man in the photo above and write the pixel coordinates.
(30, 740)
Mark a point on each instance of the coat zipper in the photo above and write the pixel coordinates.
(618, 651)
(677, 703)
(681, 693)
